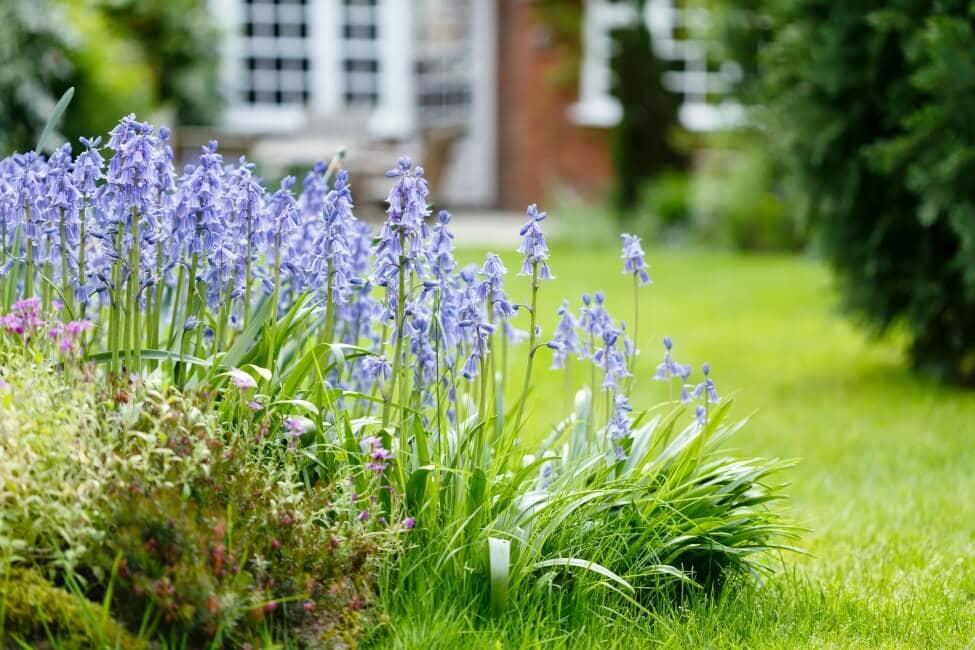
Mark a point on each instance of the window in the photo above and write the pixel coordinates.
(276, 59)
(360, 59)
(700, 81)
(443, 61)
(674, 29)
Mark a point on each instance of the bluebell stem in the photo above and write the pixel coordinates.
(535, 252)
(331, 264)
(245, 197)
(64, 201)
(400, 245)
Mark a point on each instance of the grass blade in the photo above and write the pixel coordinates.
(59, 109)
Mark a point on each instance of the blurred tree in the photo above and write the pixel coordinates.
(33, 69)
(871, 104)
(121, 56)
(642, 141)
(180, 44)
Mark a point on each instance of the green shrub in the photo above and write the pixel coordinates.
(138, 496)
(871, 104)
(736, 202)
(51, 454)
(34, 610)
(667, 200)
(236, 545)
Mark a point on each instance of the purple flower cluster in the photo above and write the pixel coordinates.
(378, 455)
(26, 323)
(182, 261)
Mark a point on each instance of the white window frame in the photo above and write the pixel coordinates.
(394, 116)
(597, 107)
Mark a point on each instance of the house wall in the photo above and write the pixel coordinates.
(540, 148)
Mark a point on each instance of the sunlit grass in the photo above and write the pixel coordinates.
(885, 483)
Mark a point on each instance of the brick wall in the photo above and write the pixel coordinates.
(540, 148)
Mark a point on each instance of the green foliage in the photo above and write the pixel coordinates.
(51, 450)
(33, 41)
(667, 200)
(562, 528)
(137, 496)
(870, 104)
(891, 562)
(121, 56)
(642, 141)
(180, 44)
(35, 610)
(737, 201)
(225, 541)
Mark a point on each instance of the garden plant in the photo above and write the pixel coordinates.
(297, 426)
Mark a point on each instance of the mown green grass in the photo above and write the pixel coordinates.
(885, 481)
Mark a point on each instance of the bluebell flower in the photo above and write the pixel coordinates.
(533, 246)
(493, 287)
(314, 189)
(130, 171)
(611, 360)
(566, 335)
(668, 368)
(88, 166)
(701, 415)
(594, 320)
(440, 250)
(333, 254)
(376, 368)
(633, 258)
(404, 229)
(706, 387)
(618, 426)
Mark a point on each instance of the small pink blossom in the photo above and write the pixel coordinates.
(241, 379)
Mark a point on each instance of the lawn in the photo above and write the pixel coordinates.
(885, 480)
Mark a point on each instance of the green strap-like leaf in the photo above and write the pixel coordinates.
(151, 355)
(59, 109)
(499, 562)
(584, 564)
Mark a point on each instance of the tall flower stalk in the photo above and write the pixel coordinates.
(535, 255)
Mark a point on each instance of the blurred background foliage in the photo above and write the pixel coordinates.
(868, 107)
(121, 56)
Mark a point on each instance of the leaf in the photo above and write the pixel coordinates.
(416, 487)
(235, 354)
(300, 403)
(580, 425)
(584, 564)
(151, 355)
(499, 565)
(59, 109)
(263, 372)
